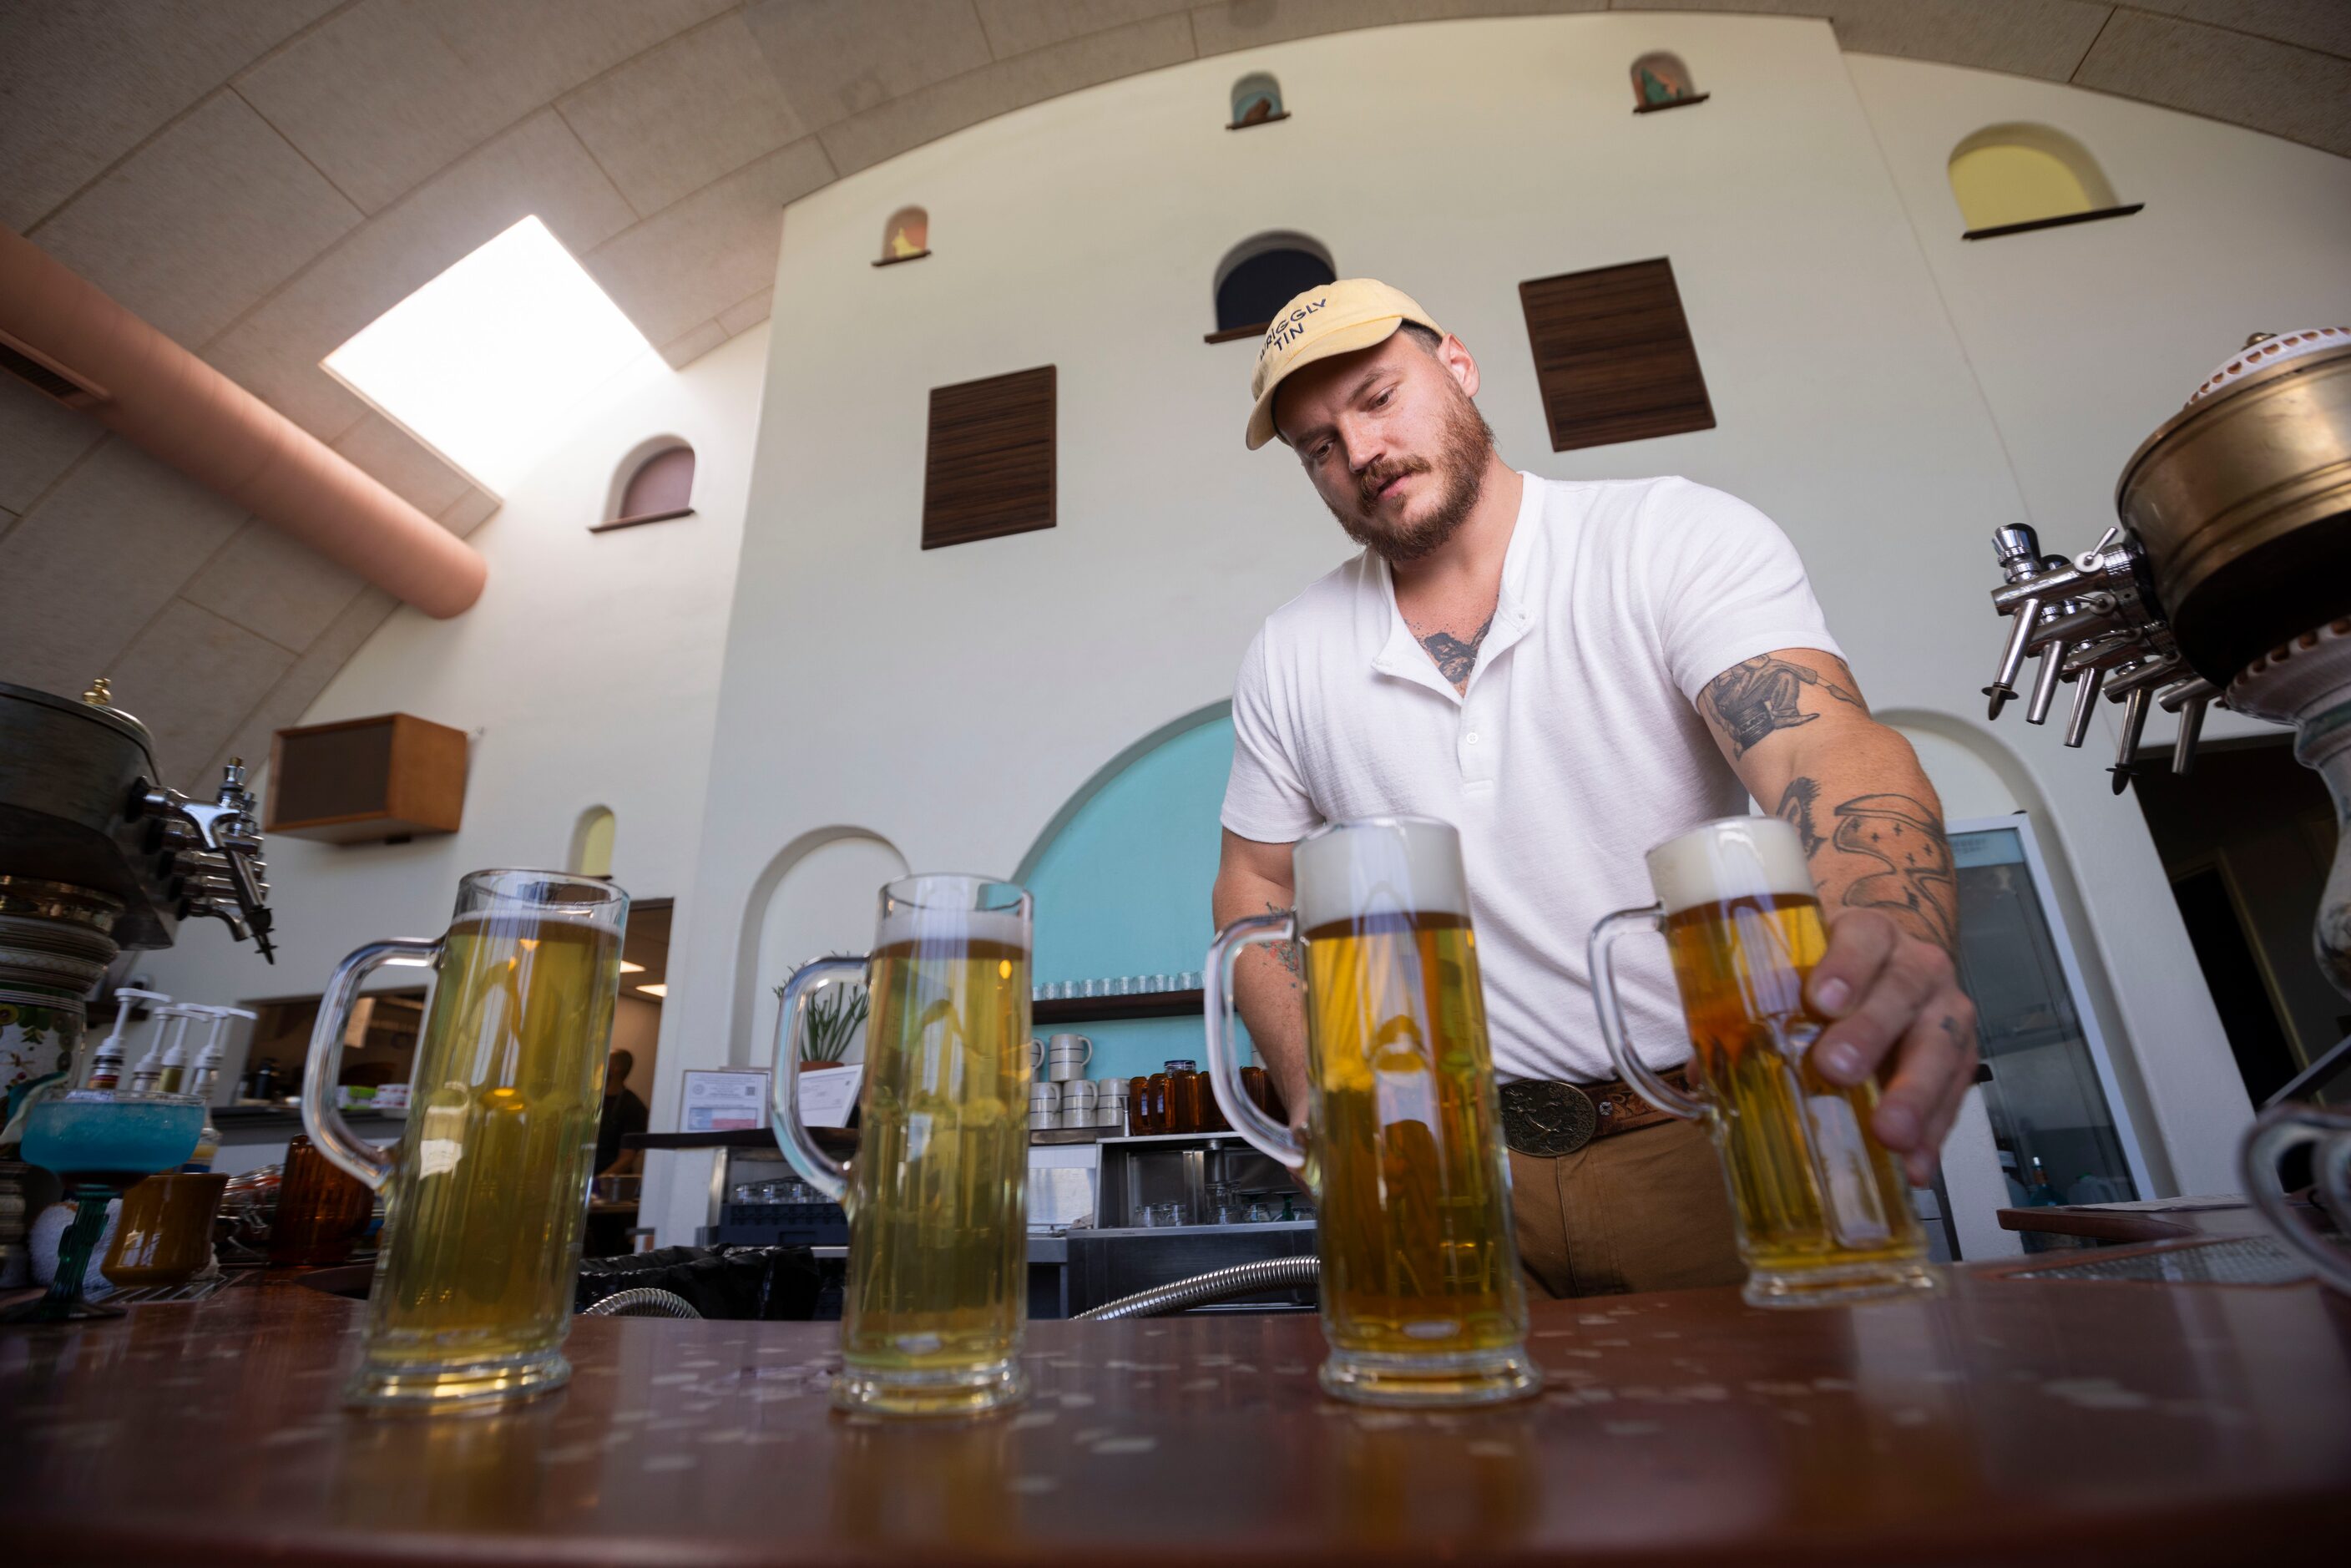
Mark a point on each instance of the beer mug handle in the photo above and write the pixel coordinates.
(2272, 1134)
(818, 1169)
(1611, 1009)
(1224, 1068)
(333, 1137)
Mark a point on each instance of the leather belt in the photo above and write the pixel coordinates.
(1545, 1117)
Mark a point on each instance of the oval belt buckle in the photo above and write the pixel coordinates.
(1546, 1118)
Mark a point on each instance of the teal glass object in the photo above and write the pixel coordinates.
(101, 1144)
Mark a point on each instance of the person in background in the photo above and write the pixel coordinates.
(624, 1114)
(1569, 673)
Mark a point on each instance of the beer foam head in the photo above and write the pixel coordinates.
(931, 910)
(1734, 857)
(1391, 865)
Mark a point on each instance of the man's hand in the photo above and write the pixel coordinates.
(1897, 1011)
(1793, 725)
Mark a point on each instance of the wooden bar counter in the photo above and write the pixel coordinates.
(2006, 1420)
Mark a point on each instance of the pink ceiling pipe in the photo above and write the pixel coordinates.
(190, 416)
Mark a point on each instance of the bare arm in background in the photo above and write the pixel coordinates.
(1254, 878)
(1795, 727)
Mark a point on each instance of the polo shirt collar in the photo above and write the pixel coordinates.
(1515, 610)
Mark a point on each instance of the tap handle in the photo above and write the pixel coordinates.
(2085, 703)
(2191, 728)
(2044, 681)
(2134, 709)
(2027, 614)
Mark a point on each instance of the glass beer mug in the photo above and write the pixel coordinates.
(1422, 1302)
(2278, 1129)
(1821, 1209)
(488, 1189)
(937, 1194)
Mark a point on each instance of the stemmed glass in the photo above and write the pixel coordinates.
(101, 1144)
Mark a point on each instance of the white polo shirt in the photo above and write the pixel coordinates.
(1575, 748)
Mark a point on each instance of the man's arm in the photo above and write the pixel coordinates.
(1796, 727)
(1254, 878)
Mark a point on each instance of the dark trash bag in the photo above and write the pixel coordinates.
(773, 1283)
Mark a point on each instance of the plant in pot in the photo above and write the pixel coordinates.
(833, 1016)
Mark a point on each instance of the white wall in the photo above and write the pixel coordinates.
(588, 675)
(950, 701)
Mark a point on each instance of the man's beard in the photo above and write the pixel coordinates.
(1462, 452)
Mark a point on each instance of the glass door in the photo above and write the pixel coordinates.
(2057, 1117)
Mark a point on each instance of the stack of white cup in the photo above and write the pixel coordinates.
(1078, 1103)
(1044, 1105)
(1110, 1103)
(1064, 1057)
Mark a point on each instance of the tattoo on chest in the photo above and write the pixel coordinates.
(1756, 696)
(1905, 840)
(1454, 658)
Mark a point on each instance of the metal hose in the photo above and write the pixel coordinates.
(1216, 1285)
(641, 1302)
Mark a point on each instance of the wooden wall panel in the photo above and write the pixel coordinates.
(1613, 355)
(989, 466)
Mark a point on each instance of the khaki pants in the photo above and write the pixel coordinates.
(1644, 1210)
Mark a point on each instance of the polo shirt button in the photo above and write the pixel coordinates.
(1473, 738)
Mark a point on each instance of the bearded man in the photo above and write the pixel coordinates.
(1569, 673)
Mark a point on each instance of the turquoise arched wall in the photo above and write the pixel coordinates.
(1122, 880)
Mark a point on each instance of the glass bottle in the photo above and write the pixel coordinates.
(1183, 1097)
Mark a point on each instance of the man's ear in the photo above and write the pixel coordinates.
(1453, 355)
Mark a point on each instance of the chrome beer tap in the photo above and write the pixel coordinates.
(211, 851)
(2092, 620)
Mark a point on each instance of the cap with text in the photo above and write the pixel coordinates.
(1333, 319)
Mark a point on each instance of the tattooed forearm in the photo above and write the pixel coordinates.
(1289, 954)
(1905, 838)
(1905, 861)
(1753, 698)
(1454, 658)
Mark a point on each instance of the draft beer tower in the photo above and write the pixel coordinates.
(2227, 580)
(96, 855)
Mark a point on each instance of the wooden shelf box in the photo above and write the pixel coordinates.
(366, 780)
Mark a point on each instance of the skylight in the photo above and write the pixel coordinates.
(482, 363)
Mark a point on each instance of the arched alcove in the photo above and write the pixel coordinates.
(1660, 80)
(1123, 875)
(817, 896)
(653, 484)
(1257, 277)
(592, 843)
(2012, 177)
(1256, 101)
(906, 237)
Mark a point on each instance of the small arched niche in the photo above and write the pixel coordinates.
(653, 484)
(1260, 275)
(592, 843)
(906, 237)
(1256, 101)
(1660, 80)
(818, 896)
(2009, 179)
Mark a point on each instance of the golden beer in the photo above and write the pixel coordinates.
(482, 1234)
(1811, 1187)
(1416, 1243)
(938, 1228)
(1821, 1208)
(937, 1294)
(1420, 1292)
(487, 1191)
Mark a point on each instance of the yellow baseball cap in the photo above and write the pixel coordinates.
(1334, 319)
